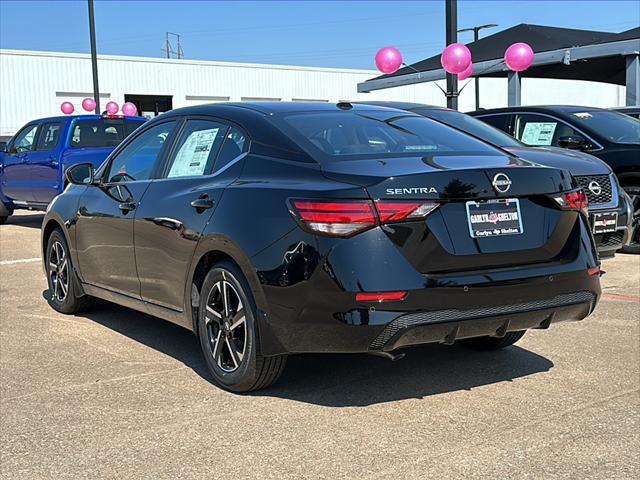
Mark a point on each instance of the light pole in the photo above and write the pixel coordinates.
(451, 36)
(94, 57)
(476, 37)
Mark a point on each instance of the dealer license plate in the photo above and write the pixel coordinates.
(604, 222)
(494, 218)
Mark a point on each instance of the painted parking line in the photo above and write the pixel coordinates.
(618, 297)
(20, 260)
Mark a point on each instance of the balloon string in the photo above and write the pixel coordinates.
(412, 68)
(446, 94)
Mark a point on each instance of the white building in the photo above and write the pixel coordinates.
(34, 84)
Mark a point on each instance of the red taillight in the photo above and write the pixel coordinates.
(574, 200)
(593, 271)
(380, 296)
(402, 211)
(345, 218)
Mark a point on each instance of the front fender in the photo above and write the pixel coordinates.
(62, 212)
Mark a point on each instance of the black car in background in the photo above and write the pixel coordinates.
(611, 136)
(609, 207)
(278, 228)
(631, 111)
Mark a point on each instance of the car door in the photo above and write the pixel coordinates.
(176, 208)
(104, 230)
(16, 175)
(45, 174)
(539, 130)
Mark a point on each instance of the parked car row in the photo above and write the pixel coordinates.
(270, 229)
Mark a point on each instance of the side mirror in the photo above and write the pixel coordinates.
(80, 174)
(573, 142)
(3, 147)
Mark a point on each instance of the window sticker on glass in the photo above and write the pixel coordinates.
(193, 156)
(538, 133)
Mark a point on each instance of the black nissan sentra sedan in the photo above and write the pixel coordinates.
(280, 228)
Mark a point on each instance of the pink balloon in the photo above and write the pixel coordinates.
(67, 108)
(466, 73)
(388, 60)
(112, 108)
(89, 104)
(455, 58)
(518, 57)
(129, 109)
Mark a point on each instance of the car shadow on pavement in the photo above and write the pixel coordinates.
(340, 380)
(163, 336)
(29, 221)
(361, 380)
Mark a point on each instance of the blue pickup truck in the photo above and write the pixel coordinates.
(33, 162)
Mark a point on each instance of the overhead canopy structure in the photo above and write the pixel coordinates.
(562, 53)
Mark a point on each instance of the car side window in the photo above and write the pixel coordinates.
(540, 130)
(25, 140)
(49, 136)
(235, 144)
(501, 122)
(137, 160)
(196, 149)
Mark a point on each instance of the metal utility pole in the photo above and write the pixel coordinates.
(94, 57)
(168, 47)
(451, 28)
(476, 37)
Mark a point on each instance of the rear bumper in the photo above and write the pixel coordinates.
(447, 326)
(608, 243)
(493, 305)
(310, 297)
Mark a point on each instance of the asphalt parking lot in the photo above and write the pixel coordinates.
(117, 394)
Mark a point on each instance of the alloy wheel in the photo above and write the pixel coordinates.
(58, 271)
(226, 326)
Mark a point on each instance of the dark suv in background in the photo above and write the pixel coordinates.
(609, 207)
(609, 135)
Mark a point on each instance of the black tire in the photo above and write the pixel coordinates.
(3, 219)
(234, 368)
(634, 245)
(492, 343)
(63, 295)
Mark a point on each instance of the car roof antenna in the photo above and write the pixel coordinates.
(344, 105)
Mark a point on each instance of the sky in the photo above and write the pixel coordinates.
(326, 34)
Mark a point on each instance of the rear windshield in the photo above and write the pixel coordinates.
(101, 132)
(472, 126)
(615, 127)
(345, 135)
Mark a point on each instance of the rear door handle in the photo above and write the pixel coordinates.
(203, 203)
(126, 207)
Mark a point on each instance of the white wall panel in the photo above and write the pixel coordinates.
(30, 81)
